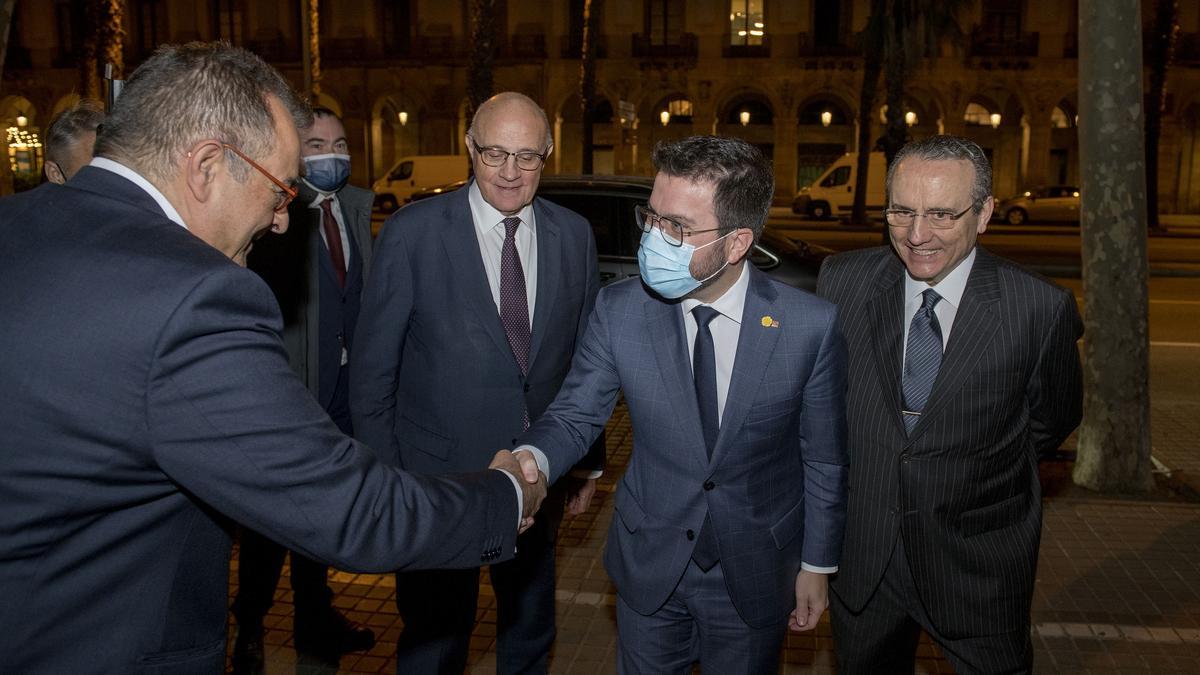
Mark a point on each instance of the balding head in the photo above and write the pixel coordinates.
(505, 104)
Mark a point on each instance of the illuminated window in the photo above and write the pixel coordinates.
(746, 24)
(977, 115)
(1059, 119)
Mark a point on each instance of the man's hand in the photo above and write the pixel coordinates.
(812, 597)
(579, 494)
(532, 491)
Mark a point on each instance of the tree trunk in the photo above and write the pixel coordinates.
(6, 14)
(1114, 439)
(872, 67)
(587, 82)
(312, 34)
(896, 68)
(483, 54)
(1160, 52)
(114, 36)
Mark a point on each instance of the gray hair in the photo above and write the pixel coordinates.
(184, 94)
(745, 184)
(510, 97)
(69, 125)
(949, 148)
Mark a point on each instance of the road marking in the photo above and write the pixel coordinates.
(1175, 302)
(1101, 631)
(1191, 345)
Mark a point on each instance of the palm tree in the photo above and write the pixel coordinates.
(587, 79)
(899, 34)
(483, 54)
(1159, 52)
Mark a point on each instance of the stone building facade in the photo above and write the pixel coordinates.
(784, 74)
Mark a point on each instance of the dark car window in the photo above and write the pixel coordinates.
(402, 172)
(840, 176)
(600, 211)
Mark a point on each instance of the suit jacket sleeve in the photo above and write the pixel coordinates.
(584, 402)
(823, 450)
(596, 459)
(1055, 392)
(387, 305)
(231, 424)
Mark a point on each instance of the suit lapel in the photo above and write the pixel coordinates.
(549, 273)
(756, 344)
(665, 322)
(886, 310)
(463, 256)
(975, 325)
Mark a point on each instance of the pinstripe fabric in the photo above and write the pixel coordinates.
(962, 489)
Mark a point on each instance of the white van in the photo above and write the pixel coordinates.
(832, 194)
(417, 172)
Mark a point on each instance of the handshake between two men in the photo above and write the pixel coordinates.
(526, 475)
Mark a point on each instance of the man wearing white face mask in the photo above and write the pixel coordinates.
(316, 270)
(729, 516)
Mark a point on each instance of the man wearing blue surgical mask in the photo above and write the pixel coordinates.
(729, 516)
(316, 270)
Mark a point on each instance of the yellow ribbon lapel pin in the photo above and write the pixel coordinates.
(768, 322)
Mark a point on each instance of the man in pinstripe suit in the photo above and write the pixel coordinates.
(963, 368)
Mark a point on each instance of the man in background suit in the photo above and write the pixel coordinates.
(730, 513)
(963, 368)
(470, 317)
(316, 271)
(69, 140)
(148, 401)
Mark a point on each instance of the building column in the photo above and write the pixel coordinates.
(785, 158)
(1038, 159)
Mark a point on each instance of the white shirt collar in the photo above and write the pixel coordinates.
(951, 288)
(137, 179)
(732, 302)
(487, 216)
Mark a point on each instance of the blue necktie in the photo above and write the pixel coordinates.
(922, 358)
(704, 375)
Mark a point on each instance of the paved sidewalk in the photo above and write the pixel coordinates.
(1118, 587)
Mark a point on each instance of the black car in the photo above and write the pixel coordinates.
(607, 202)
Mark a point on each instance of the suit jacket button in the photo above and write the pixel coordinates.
(691, 535)
(904, 458)
(513, 442)
(708, 485)
(526, 387)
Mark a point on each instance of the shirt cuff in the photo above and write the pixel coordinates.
(818, 570)
(520, 495)
(593, 474)
(538, 456)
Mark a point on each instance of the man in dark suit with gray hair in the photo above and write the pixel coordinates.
(148, 401)
(963, 369)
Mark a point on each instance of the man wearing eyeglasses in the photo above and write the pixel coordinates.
(963, 369)
(148, 401)
(471, 314)
(316, 271)
(729, 516)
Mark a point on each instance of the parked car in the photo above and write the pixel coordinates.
(607, 202)
(1056, 203)
(415, 173)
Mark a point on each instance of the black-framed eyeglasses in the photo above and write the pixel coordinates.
(671, 231)
(527, 160)
(938, 219)
(282, 199)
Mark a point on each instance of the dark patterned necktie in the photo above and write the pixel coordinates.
(514, 303)
(333, 241)
(922, 359)
(704, 376)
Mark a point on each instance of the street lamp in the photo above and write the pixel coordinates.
(403, 117)
(744, 116)
(826, 118)
(910, 118)
(22, 120)
(995, 119)
(664, 117)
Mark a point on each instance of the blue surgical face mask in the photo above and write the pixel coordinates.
(666, 268)
(327, 173)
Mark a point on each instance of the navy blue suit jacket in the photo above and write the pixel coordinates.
(147, 397)
(434, 385)
(775, 488)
